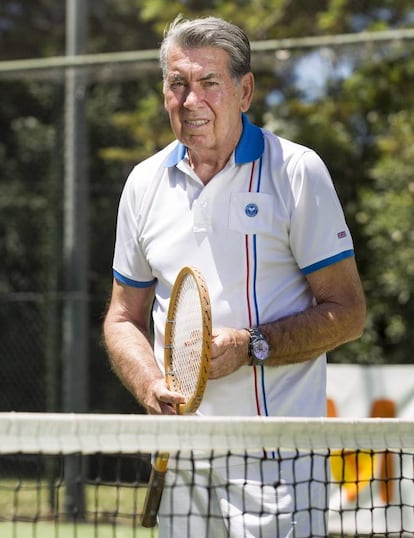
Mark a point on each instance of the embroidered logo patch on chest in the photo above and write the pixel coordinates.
(251, 210)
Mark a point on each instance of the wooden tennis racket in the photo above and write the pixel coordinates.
(187, 350)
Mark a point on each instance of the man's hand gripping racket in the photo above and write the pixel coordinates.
(187, 354)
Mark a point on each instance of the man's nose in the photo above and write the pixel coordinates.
(192, 97)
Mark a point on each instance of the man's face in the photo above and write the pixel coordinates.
(203, 101)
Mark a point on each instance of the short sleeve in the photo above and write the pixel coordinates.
(319, 234)
(130, 265)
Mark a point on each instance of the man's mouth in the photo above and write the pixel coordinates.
(196, 123)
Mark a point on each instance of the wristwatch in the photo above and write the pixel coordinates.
(259, 347)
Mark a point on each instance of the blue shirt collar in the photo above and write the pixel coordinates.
(249, 148)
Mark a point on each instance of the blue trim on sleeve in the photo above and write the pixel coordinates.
(328, 261)
(134, 283)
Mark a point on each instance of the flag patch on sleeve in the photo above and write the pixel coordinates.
(342, 234)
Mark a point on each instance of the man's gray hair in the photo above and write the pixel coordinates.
(208, 32)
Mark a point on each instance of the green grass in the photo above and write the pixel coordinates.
(66, 530)
(25, 512)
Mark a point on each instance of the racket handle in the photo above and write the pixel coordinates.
(180, 409)
(154, 491)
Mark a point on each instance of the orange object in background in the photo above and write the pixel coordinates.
(354, 469)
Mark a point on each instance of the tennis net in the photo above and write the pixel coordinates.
(84, 475)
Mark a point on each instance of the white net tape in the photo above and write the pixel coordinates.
(89, 433)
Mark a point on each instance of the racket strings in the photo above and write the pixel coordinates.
(186, 338)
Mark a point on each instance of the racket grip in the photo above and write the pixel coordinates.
(180, 409)
(154, 491)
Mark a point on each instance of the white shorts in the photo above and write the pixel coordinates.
(244, 499)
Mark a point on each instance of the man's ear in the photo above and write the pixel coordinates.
(247, 87)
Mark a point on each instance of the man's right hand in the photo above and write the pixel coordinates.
(161, 400)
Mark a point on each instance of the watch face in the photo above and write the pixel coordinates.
(261, 349)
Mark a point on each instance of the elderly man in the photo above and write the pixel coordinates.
(259, 216)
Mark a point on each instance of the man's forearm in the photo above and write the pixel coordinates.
(308, 334)
(131, 356)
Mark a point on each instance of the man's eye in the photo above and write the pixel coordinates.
(176, 84)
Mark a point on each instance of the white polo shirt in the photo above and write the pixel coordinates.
(267, 219)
